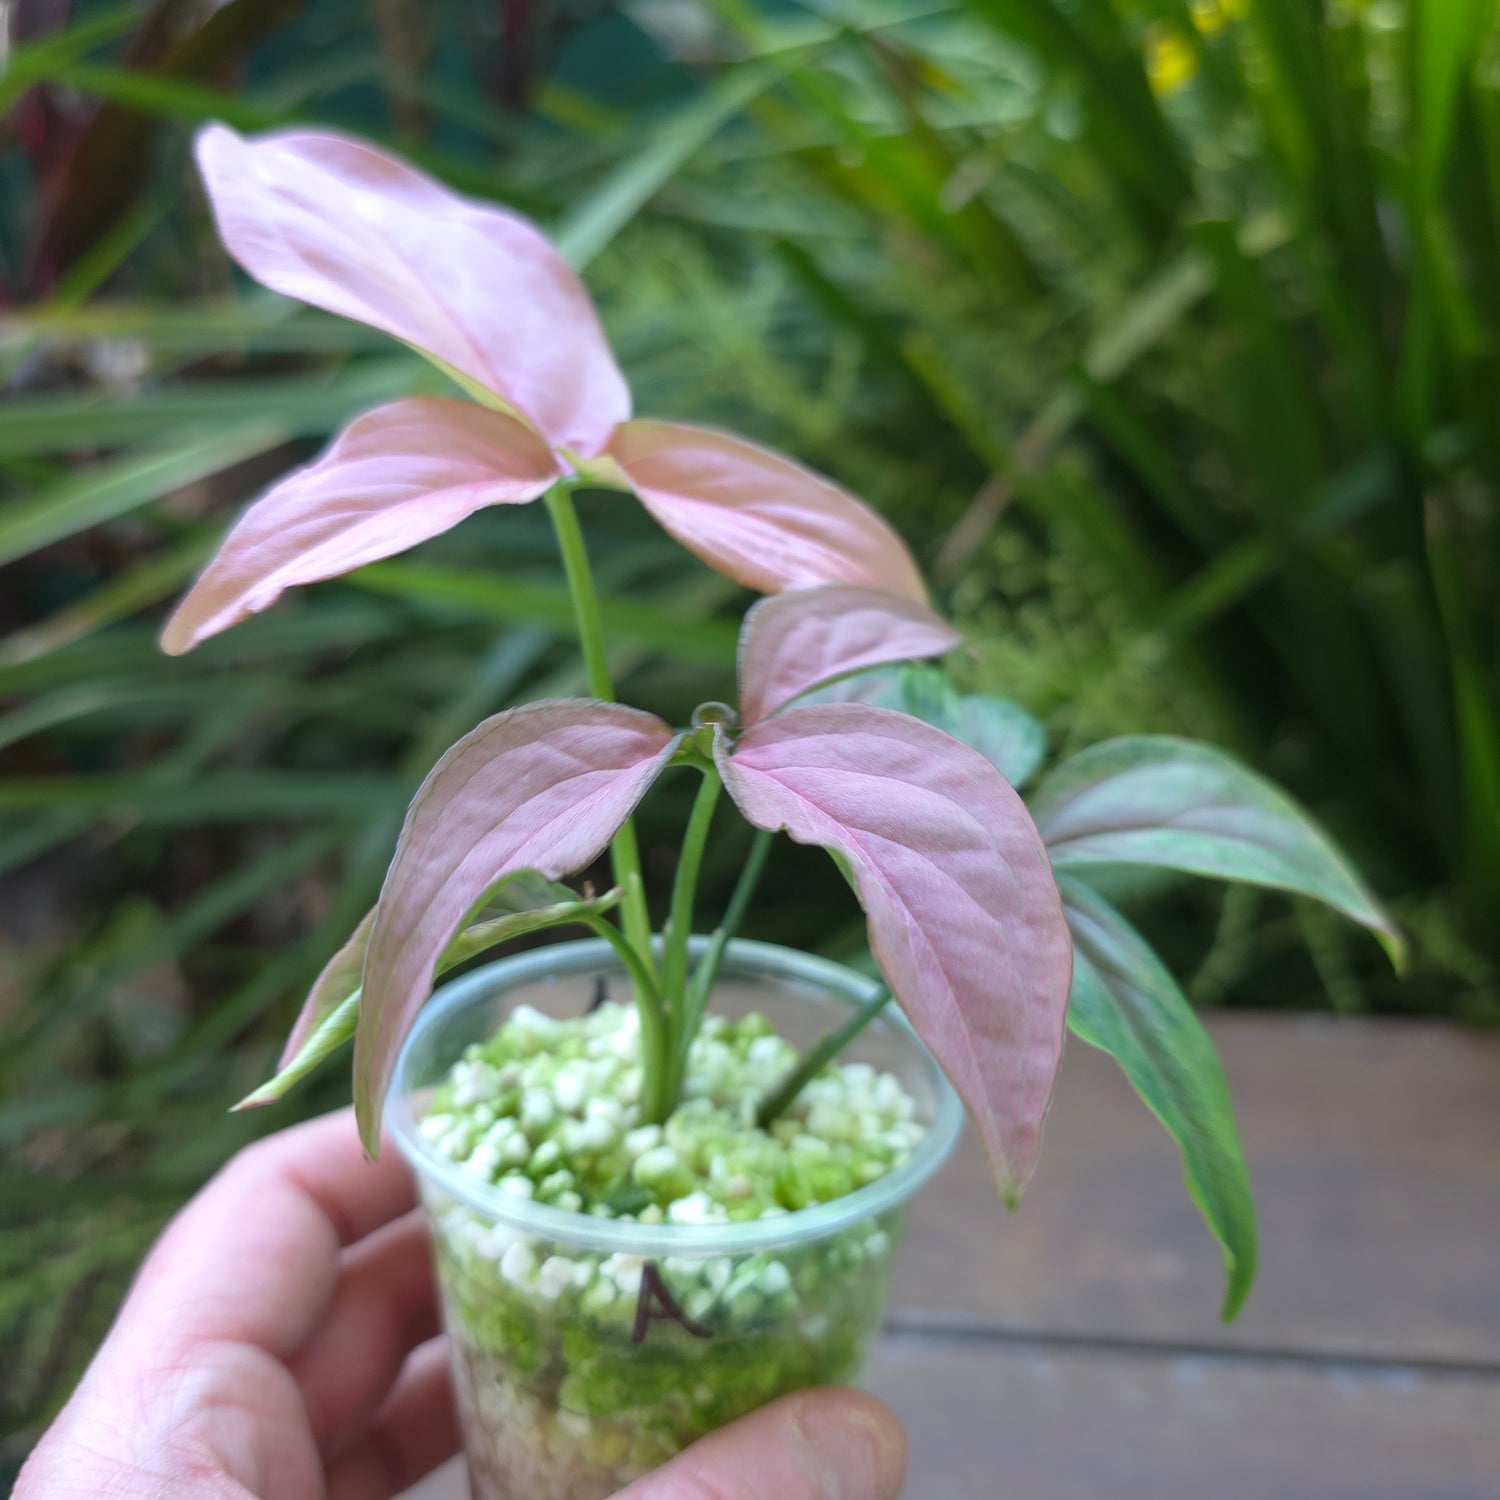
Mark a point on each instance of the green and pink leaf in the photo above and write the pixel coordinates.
(1174, 803)
(516, 906)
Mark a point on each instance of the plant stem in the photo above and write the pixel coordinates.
(656, 1049)
(624, 851)
(634, 944)
(820, 1056)
(684, 889)
(707, 971)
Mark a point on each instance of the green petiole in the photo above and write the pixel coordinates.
(684, 889)
(815, 1061)
(624, 851)
(671, 1005)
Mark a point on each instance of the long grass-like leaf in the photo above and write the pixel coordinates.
(485, 596)
(300, 406)
(122, 485)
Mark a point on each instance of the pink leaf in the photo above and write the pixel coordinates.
(544, 788)
(795, 641)
(394, 477)
(964, 916)
(332, 221)
(765, 521)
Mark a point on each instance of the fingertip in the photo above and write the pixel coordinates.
(823, 1444)
(856, 1438)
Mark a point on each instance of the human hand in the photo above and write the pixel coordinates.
(281, 1342)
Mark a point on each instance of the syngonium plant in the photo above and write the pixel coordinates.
(981, 914)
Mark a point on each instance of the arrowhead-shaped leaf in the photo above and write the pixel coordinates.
(1157, 800)
(1010, 738)
(544, 788)
(765, 521)
(964, 916)
(1125, 1002)
(520, 904)
(795, 641)
(394, 477)
(333, 221)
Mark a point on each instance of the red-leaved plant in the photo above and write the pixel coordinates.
(981, 916)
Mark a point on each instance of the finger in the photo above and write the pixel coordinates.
(323, 1160)
(815, 1445)
(415, 1430)
(385, 1305)
(254, 1258)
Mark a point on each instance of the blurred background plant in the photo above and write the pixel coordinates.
(1166, 330)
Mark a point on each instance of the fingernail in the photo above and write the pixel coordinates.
(848, 1452)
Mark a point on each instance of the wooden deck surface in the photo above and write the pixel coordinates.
(1073, 1349)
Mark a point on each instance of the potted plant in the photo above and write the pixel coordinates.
(660, 1189)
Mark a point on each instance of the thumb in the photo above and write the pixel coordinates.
(814, 1445)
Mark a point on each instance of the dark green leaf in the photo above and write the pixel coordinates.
(1012, 740)
(113, 489)
(217, 412)
(1126, 1003)
(594, 221)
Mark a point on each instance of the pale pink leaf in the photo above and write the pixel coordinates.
(330, 220)
(544, 788)
(393, 477)
(965, 919)
(796, 641)
(767, 522)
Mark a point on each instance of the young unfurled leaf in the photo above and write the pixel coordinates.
(964, 917)
(333, 221)
(479, 292)
(544, 788)
(792, 642)
(1011, 739)
(520, 904)
(1158, 800)
(1125, 1002)
(394, 477)
(755, 515)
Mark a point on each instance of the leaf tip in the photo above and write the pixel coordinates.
(367, 1114)
(175, 639)
(1235, 1294)
(212, 137)
(1239, 1277)
(1396, 949)
(1007, 1185)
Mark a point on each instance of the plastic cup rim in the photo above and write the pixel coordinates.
(543, 1220)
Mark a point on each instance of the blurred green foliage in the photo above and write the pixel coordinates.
(1166, 330)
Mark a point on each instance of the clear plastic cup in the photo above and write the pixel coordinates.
(587, 1351)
